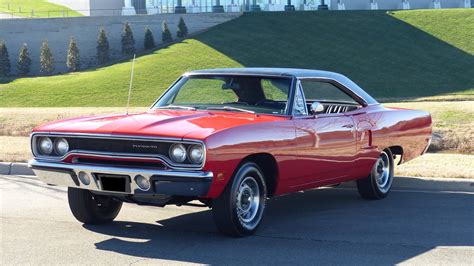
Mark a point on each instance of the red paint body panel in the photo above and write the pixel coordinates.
(309, 152)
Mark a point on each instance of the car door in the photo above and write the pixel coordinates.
(326, 143)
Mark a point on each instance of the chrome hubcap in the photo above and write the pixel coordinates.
(382, 171)
(248, 202)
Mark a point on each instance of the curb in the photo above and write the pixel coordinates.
(15, 169)
(427, 184)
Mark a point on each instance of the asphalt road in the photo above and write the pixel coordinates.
(324, 226)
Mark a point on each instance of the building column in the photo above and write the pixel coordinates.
(323, 6)
(151, 7)
(179, 8)
(218, 8)
(128, 9)
(254, 7)
(289, 6)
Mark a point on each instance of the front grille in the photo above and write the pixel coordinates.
(119, 146)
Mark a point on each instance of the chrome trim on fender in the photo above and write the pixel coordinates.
(62, 174)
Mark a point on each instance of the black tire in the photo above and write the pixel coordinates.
(225, 208)
(378, 184)
(89, 208)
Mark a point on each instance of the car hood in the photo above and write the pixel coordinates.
(159, 123)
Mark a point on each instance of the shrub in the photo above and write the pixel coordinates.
(149, 40)
(182, 29)
(46, 59)
(103, 47)
(5, 66)
(128, 42)
(73, 57)
(166, 33)
(24, 61)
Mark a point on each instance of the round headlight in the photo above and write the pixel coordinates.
(61, 146)
(178, 153)
(196, 154)
(45, 145)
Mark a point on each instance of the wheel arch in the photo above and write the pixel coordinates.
(397, 150)
(269, 166)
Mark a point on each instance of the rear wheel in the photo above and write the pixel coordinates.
(90, 208)
(378, 184)
(239, 209)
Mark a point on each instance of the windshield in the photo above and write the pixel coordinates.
(266, 95)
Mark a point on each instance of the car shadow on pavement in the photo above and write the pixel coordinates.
(325, 225)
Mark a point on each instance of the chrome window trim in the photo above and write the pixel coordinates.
(340, 86)
(300, 89)
(163, 158)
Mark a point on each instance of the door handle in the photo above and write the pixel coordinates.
(348, 126)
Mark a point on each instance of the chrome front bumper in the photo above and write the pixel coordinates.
(168, 182)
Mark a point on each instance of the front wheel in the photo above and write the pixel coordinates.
(239, 209)
(378, 184)
(90, 208)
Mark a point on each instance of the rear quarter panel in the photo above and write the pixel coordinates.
(410, 129)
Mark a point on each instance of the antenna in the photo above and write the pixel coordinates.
(131, 83)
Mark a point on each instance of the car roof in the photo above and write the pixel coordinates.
(290, 72)
(267, 71)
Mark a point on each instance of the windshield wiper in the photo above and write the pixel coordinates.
(177, 107)
(230, 108)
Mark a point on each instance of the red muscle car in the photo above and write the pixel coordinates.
(230, 138)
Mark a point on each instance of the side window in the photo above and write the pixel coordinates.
(299, 107)
(275, 89)
(324, 92)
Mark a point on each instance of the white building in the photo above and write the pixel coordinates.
(132, 7)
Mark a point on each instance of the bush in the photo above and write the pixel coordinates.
(73, 57)
(5, 66)
(182, 29)
(103, 47)
(128, 42)
(166, 33)
(46, 59)
(24, 61)
(149, 40)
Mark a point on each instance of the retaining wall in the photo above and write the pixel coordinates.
(85, 30)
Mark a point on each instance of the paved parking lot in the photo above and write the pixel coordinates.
(325, 226)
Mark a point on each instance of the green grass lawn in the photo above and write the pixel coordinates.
(419, 54)
(41, 8)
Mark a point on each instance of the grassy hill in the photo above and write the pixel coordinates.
(393, 55)
(42, 8)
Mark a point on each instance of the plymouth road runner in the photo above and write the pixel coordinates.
(230, 139)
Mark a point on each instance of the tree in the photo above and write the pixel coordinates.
(46, 59)
(103, 47)
(166, 33)
(149, 40)
(128, 42)
(182, 29)
(24, 61)
(73, 57)
(5, 66)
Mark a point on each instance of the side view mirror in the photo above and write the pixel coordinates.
(317, 107)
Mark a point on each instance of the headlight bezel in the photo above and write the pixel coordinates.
(57, 142)
(200, 160)
(181, 147)
(40, 141)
